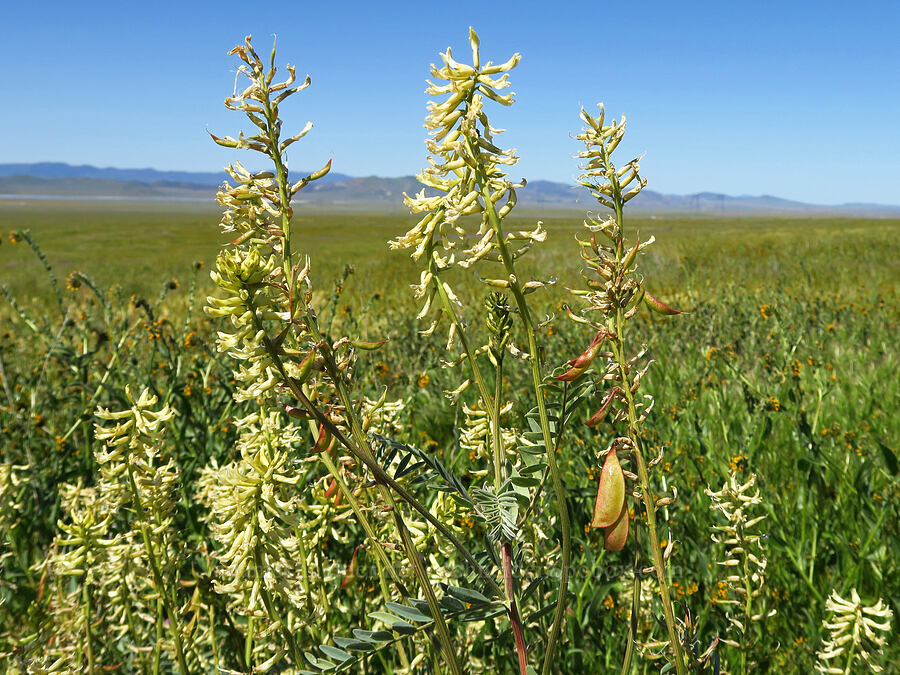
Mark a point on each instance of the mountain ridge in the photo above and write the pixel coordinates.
(58, 179)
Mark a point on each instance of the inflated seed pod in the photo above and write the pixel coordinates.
(583, 361)
(658, 306)
(615, 535)
(600, 415)
(610, 492)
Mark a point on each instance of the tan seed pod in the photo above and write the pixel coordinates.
(615, 535)
(610, 492)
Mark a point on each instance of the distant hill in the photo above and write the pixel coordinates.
(56, 179)
(150, 176)
(102, 187)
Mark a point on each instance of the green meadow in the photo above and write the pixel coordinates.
(139, 245)
(784, 364)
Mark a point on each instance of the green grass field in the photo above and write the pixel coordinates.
(785, 365)
(141, 244)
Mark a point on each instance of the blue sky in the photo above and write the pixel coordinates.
(795, 99)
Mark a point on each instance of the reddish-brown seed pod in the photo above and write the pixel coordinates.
(600, 415)
(583, 361)
(352, 570)
(332, 488)
(323, 441)
(610, 492)
(658, 306)
(615, 536)
(297, 413)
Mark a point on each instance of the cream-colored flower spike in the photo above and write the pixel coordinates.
(135, 427)
(10, 494)
(476, 435)
(465, 171)
(600, 175)
(856, 635)
(745, 557)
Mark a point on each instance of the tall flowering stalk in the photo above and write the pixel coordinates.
(84, 538)
(614, 295)
(279, 346)
(744, 559)
(466, 195)
(135, 472)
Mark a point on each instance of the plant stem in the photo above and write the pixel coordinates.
(129, 615)
(270, 609)
(649, 504)
(447, 306)
(506, 547)
(513, 609)
(382, 476)
(496, 440)
(748, 611)
(438, 616)
(618, 341)
(537, 379)
(635, 611)
(248, 644)
(851, 653)
(363, 520)
(157, 647)
(273, 133)
(12, 405)
(86, 613)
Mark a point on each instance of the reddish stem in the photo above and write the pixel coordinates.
(513, 609)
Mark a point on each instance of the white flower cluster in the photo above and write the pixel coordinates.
(121, 569)
(245, 277)
(476, 436)
(855, 627)
(256, 515)
(383, 417)
(250, 207)
(10, 495)
(134, 445)
(82, 541)
(464, 177)
(745, 558)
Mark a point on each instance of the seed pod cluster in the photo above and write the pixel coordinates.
(613, 295)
